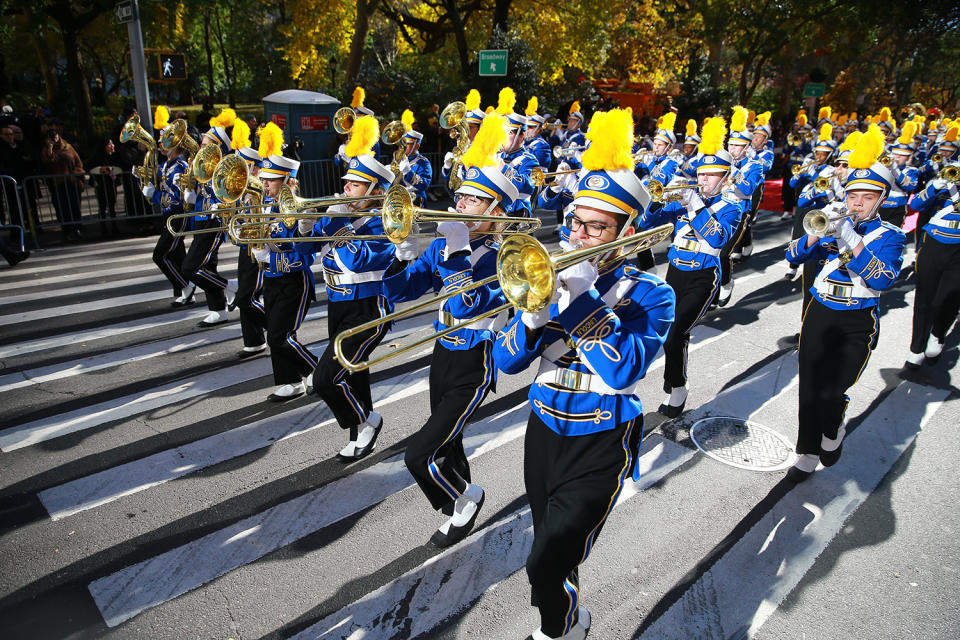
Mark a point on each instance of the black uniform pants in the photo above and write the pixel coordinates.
(787, 193)
(169, 254)
(726, 264)
(834, 349)
(287, 300)
(200, 265)
(695, 290)
(894, 215)
(253, 319)
(798, 231)
(937, 298)
(348, 394)
(572, 483)
(459, 381)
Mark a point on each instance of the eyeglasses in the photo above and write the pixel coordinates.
(593, 229)
(842, 164)
(469, 200)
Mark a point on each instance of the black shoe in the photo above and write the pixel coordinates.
(363, 452)
(796, 475)
(185, 303)
(243, 353)
(456, 534)
(671, 411)
(17, 257)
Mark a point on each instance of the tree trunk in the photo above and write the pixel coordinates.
(227, 71)
(78, 84)
(206, 43)
(46, 67)
(460, 35)
(361, 25)
(786, 85)
(501, 14)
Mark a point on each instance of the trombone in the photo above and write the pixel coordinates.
(658, 192)
(527, 273)
(798, 169)
(539, 178)
(567, 152)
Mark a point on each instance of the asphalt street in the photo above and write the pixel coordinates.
(148, 490)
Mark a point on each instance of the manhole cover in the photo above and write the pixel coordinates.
(742, 444)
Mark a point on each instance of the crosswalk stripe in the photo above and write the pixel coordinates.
(746, 585)
(126, 479)
(99, 275)
(127, 592)
(28, 270)
(83, 307)
(67, 253)
(421, 599)
(113, 285)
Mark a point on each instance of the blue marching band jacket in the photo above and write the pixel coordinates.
(797, 155)
(814, 198)
(517, 166)
(662, 169)
(942, 204)
(167, 193)
(539, 149)
(906, 181)
(435, 271)
(845, 282)
(746, 176)
(287, 257)
(593, 354)
(700, 235)
(418, 176)
(764, 156)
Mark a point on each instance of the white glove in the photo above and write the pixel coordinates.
(456, 234)
(448, 160)
(692, 200)
(404, 166)
(149, 190)
(189, 196)
(939, 184)
(261, 255)
(305, 226)
(569, 182)
(847, 236)
(574, 281)
(408, 250)
(534, 320)
(563, 166)
(342, 152)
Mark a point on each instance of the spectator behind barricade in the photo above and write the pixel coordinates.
(104, 175)
(9, 166)
(251, 121)
(58, 157)
(203, 118)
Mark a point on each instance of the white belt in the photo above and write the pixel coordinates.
(695, 245)
(494, 323)
(339, 279)
(551, 373)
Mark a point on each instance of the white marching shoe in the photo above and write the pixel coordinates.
(803, 468)
(214, 318)
(914, 360)
(287, 392)
(309, 383)
(230, 292)
(934, 347)
(726, 292)
(786, 215)
(790, 274)
(186, 296)
(674, 404)
(747, 250)
(578, 632)
(367, 433)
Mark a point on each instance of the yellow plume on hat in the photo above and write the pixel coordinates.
(271, 140)
(473, 100)
(952, 132)
(611, 139)
(842, 119)
(691, 127)
(359, 95)
(714, 130)
(868, 119)
(669, 121)
(853, 116)
(826, 132)
(919, 119)
(751, 116)
(161, 117)
(802, 119)
(486, 144)
(885, 115)
(489, 110)
(506, 101)
(241, 135)
(363, 137)
(763, 119)
(825, 112)
(850, 141)
(868, 149)
(532, 105)
(738, 122)
(906, 134)
(225, 118)
(575, 107)
(407, 119)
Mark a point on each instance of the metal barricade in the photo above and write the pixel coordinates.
(13, 209)
(319, 178)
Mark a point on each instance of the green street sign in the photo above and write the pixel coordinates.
(493, 62)
(814, 90)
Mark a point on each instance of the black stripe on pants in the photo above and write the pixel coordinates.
(459, 381)
(250, 279)
(695, 290)
(169, 254)
(200, 265)
(348, 394)
(894, 215)
(572, 483)
(937, 299)
(834, 349)
(287, 299)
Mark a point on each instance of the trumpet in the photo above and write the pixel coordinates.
(821, 183)
(451, 118)
(658, 192)
(886, 160)
(567, 152)
(950, 174)
(539, 178)
(823, 223)
(794, 139)
(132, 130)
(937, 158)
(527, 273)
(798, 169)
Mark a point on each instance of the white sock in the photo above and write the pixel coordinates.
(831, 445)
(807, 462)
(934, 347)
(369, 429)
(678, 395)
(915, 358)
(466, 505)
(349, 450)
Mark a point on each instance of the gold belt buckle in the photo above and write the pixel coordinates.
(570, 379)
(447, 319)
(952, 224)
(688, 245)
(331, 278)
(840, 291)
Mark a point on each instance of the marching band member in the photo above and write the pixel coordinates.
(808, 198)
(761, 149)
(200, 265)
(705, 219)
(533, 141)
(594, 344)
(660, 165)
(461, 368)
(746, 176)
(860, 258)
(573, 139)
(341, 160)
(688, 169)
(169, 252)
(794, 156)
(894, 207)
(937, 297)
(517, 161)
(887, 124)
(473, 117)
(253, 320)
(415, 168)
(353, 270)
(288, 286)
